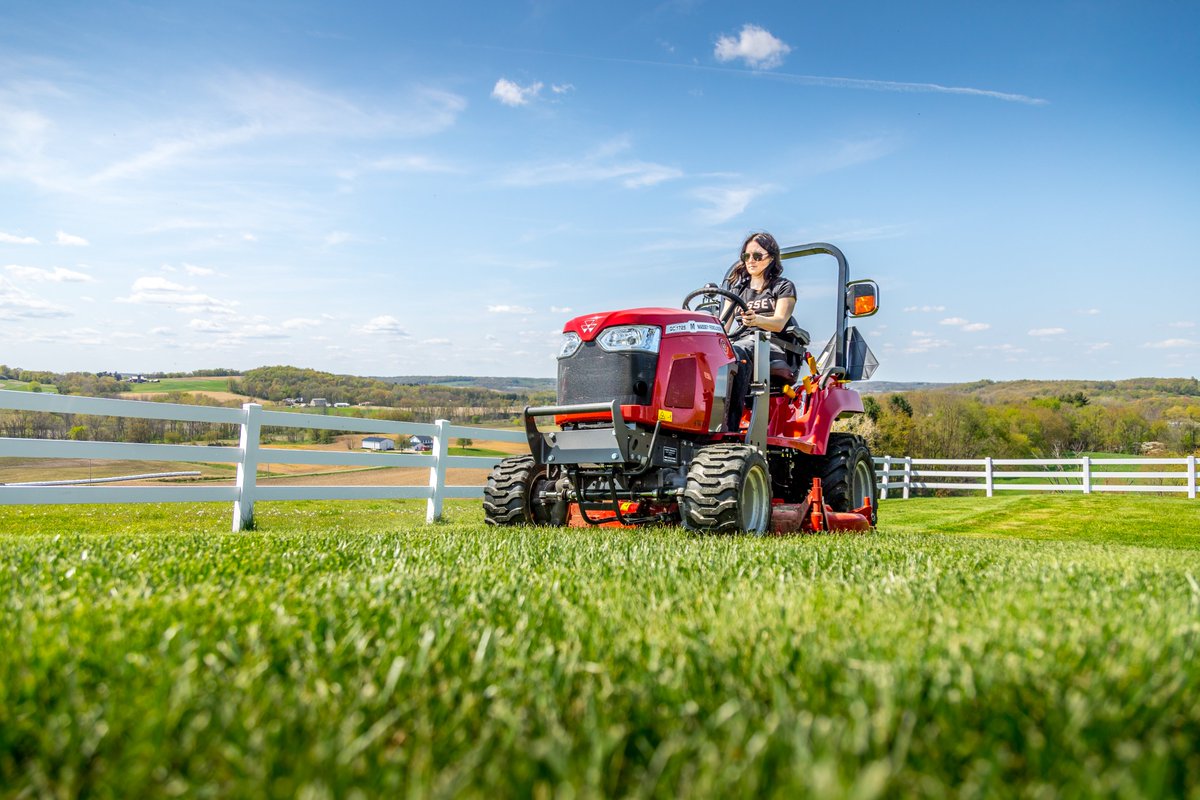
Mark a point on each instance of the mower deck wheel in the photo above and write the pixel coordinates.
(848, 474)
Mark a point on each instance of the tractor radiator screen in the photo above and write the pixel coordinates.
(595, 376)
(681, 386)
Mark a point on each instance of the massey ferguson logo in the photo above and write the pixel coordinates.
(589, 324)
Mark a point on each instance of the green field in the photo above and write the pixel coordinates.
(1019, 646)
(184, 385)
(23, 386)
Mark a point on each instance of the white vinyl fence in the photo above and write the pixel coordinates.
(991, 475)
(248, 455)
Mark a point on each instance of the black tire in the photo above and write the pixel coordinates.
(728, 489)
(848, 474)
(510, 487)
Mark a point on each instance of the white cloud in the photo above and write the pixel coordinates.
(599, 165)
(207, 326)
(162, 331)
(156, 290)
(16, 303)
(513, 94)
(562, 88)
(725, 203)
(559, 310)
(337, 237)
(1047, 331)
(505, 309)
(8, 238)
(300, 323)
(385, 325)
(966, 325)
(754, 45)
(1184, 324)
(1089, 312)
(925, 308)
(56, 275)
(260, 332)
(1171, 344)
(249, 237)
(70, 240)
(1099, 346)
(192, 269)
(436, 342)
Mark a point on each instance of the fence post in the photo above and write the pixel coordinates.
(989, 479)
(1191, 465)
(907, 475)
(1087, 474)
(437, 473)
(887, 477)
(247, 468)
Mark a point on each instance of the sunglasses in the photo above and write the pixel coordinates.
(748, 257)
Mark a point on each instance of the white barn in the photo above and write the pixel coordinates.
(378, 443)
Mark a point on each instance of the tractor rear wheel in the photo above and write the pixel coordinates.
(848, 474)
(728, 489)
(510, 495)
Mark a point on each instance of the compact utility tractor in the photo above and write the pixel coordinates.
(641, 434)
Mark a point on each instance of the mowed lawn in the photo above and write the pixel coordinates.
(1018, 646)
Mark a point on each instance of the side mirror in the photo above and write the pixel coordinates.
(862, 298)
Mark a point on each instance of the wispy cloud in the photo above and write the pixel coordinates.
(509, 309)
(8, 238)
(300, 323)
(155, 290)
(1171, 344)
(385, 325)
(511, 93)
(1182, 324)
(602, 164)
(1040, 332)
(56, 275)
(70, 240)
(925, 309)
(725, 203)
(756, 46)
(16, 303)
(965, 324)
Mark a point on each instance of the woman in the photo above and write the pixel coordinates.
(757, 278)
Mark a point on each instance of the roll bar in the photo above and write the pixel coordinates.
(840, 356)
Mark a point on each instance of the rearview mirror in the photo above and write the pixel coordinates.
(862, 298)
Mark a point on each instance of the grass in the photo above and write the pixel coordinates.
(184, 385)
(23, 386)
(1025, 646)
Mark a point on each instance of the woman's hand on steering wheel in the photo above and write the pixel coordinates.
(736, 303)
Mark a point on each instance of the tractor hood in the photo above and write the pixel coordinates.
(671, 320)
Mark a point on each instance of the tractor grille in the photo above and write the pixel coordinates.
(595, 376)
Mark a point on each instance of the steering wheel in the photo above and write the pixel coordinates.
(710, 292)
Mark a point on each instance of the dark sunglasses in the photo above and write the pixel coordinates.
(748, 257)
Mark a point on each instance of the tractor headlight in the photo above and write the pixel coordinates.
(643, 338)
(570, 344)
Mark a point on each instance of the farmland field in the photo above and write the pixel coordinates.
(184, 385)
(1013, 646)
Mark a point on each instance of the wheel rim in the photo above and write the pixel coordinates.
(756, 500)
(862, 484)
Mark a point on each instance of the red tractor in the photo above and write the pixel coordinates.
(641, 435)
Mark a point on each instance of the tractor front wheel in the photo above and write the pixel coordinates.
(728, 489)
(848, 474)
(512, 495)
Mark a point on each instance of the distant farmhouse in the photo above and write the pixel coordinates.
(378, 443)
(422, 444)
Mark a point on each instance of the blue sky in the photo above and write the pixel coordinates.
(434, 188)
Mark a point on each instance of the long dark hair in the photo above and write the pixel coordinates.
(737, 273)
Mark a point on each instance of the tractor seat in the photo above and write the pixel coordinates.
(792, 340)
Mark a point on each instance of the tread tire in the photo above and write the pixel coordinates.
(728, 490)
(847, 461)
(508, 491)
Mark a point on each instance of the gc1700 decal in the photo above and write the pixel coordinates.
(691, 326)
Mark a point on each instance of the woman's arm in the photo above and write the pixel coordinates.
(772, 322)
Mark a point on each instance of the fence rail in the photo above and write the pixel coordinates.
(894, 474)
(247, 456)
(988, 475)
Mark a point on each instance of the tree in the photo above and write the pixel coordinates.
(464, 442)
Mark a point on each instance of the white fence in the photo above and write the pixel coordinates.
(248, 455)
(989, 475)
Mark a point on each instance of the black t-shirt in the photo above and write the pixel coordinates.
(761, 301)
